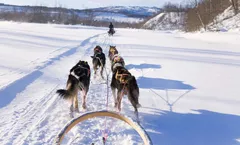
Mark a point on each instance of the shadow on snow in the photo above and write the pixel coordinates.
(206, 128)
(9, 93)
(143, 66)
(162, 84)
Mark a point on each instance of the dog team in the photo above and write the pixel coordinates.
(123, 82)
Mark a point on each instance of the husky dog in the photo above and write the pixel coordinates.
(97, 49)
(98, 60)
(112, 51)
(78, 80)
(126, 84)
(117, 59)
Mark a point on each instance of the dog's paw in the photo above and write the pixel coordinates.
(139, 105)
(84, 106)
(84, 110)
(77, 111)
(71, 115)
(115, 105)
(102, 77)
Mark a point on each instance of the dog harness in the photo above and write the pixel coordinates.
(78, 77)
(85, 68)
(73, 74)
(116, 65)
(117, 58)
(121, 77)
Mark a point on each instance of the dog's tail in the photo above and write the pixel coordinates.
(69, 92)
(133, 92)
(65, 94)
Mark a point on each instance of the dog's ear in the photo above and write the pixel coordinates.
(93, 57)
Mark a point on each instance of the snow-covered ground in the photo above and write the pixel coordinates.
(166, 21)
(226, 21)
(189, 86)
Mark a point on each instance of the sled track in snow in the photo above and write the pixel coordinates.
(33, 113)
(55, 109)
(36, 114)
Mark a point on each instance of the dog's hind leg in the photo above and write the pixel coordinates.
(119, 99)
(135, 103)
(114, 96)
(71, 109)
(136, 113)
(102, 67)
(76, 109)
(95, 70)
(84, 106)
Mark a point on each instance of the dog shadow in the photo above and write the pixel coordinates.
(205, 128)
(166, 85)
(143, 66)
(162, 84)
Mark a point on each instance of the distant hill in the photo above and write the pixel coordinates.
(166, 21)
(119, 14)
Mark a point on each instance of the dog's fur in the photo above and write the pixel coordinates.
(112, 51)
(117, 59)
(78, 80)
(98, 60)
(97, 49)
(129, 88)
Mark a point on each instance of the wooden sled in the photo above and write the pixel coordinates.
(142, 133)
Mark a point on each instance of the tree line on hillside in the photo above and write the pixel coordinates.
(57, 15)
(200, 13)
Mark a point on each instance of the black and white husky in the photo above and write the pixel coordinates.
(78, 80)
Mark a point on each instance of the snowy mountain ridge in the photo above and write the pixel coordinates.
(127, 14)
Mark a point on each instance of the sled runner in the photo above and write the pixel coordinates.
(137, 127)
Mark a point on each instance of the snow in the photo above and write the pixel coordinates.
(166, 21)
(153, 21)
(226, 21)
(189, 85)
(231, 38)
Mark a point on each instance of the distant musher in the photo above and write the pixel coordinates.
(111, 29)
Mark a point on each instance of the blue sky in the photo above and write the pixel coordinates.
(79, 4)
